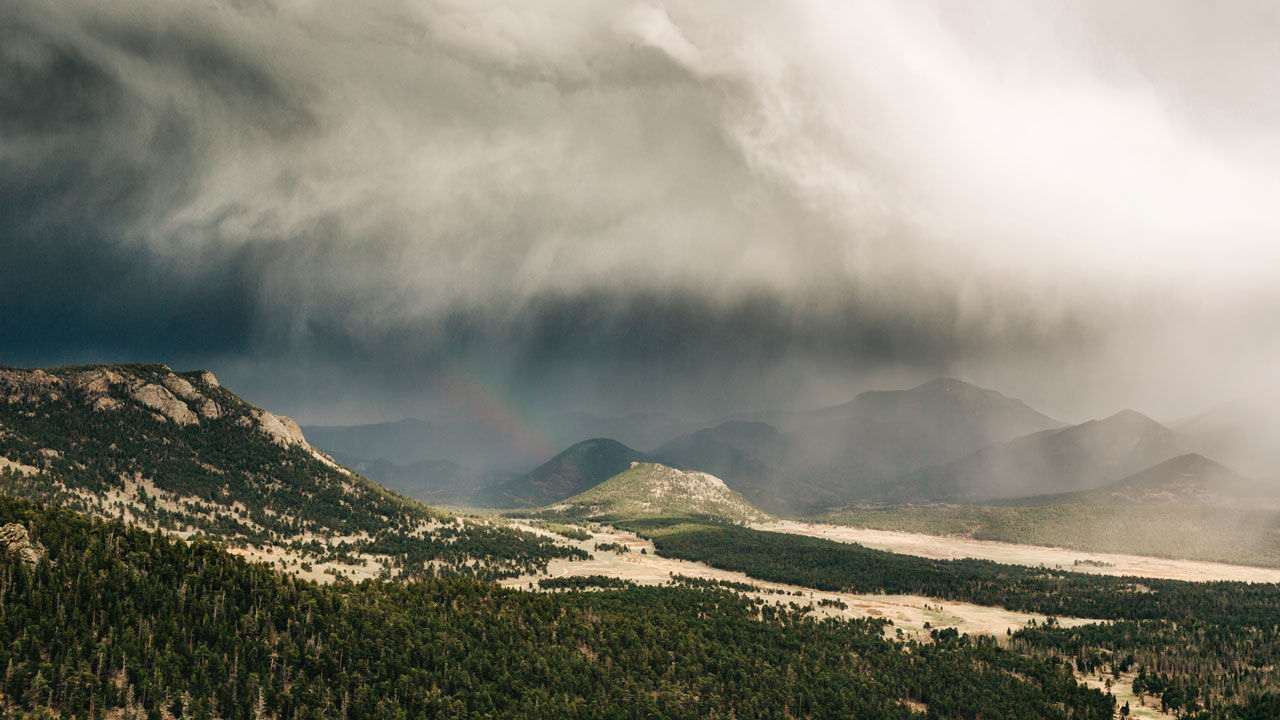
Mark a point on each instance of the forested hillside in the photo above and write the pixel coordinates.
(1216, 642)
(117, 620)
(181, 453)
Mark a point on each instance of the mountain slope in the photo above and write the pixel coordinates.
(652, 490)
(887, 433)
(749, 456)
(178, 452)
(483, 444)
(1077, 458)
(1188, 479)
(576, 469)
(1244, 434)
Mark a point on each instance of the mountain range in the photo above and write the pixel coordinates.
(1079, 457)
(801, 462)
(945, 441)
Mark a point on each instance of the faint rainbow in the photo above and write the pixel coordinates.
(489, 404)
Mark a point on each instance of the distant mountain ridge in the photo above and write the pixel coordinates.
(1244, 434)
(751, 453)
(1080, 457)
(1191, 478)
(801, 462)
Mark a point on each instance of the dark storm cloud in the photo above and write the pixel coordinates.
(85, 162)
(641, 204)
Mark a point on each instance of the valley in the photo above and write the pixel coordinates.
(949, 547)
(641, 564)
(205, 487)
(644, 360)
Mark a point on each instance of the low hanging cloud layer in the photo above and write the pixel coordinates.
(689, 206)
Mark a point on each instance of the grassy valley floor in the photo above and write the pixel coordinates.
(957, 547)
(625, 556)
(1234, 535)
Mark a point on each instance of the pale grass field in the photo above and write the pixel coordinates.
(1122, 689)
(909, 613)
(952, 548)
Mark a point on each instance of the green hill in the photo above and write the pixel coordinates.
(180, 453)
(652, 490)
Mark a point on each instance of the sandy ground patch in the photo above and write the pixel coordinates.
(324, 572)
(1122, 689)
(7, 464)
(909, 613)
(952, 548)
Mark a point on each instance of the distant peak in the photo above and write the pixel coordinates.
(1193, 462)
(952, 386)
(1130, 417)
(945, 384)
(597, 443)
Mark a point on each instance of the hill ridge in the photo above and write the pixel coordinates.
(180, 453)
(650, 489)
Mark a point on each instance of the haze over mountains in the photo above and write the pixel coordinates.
(1243, 433)
(1079, 457)
(943, 441)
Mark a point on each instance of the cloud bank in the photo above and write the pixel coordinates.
(695, 207)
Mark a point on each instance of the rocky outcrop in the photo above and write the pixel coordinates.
(106, 404)
(186, 391)
(281, 429)
(19, 386)
(159, 398)
(96, 382)
(181, 388)
(16, 544)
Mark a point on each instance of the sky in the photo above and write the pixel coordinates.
(362, 211)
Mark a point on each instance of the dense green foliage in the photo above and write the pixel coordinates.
(118, 618)
(582, 582)
(1214, 648)
(1194, 667)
